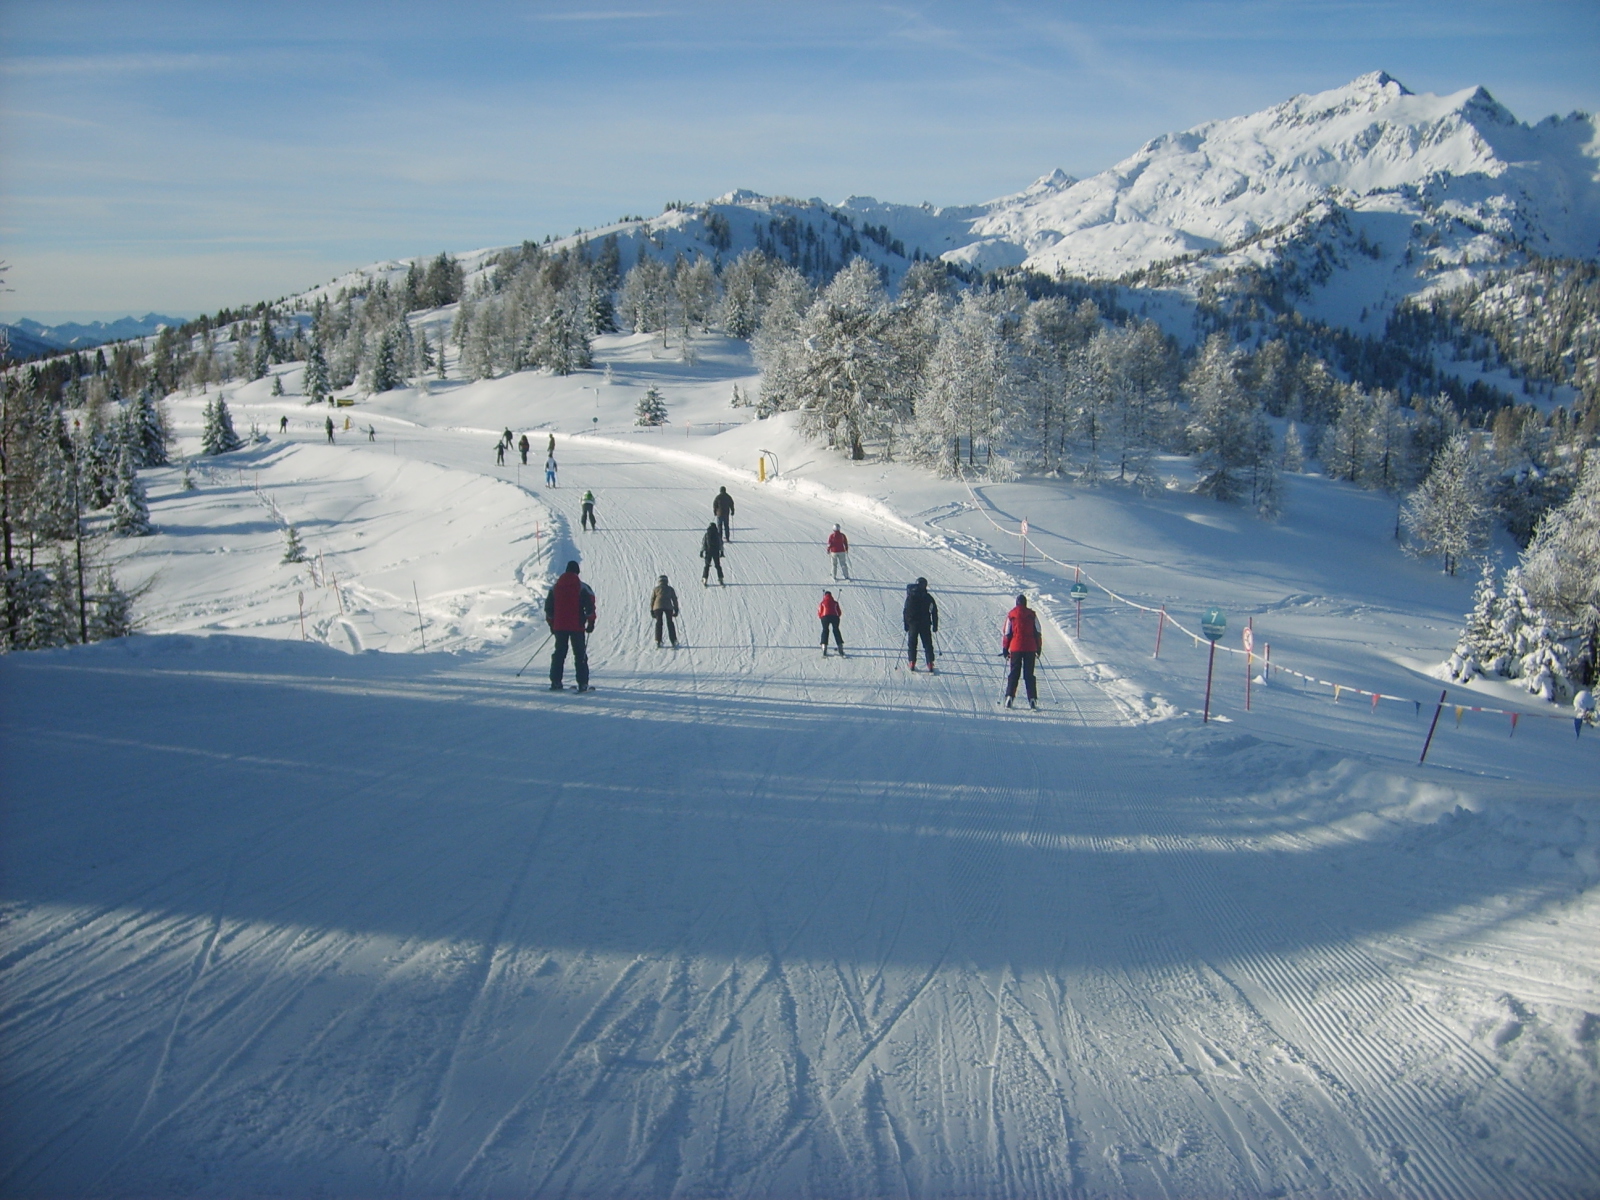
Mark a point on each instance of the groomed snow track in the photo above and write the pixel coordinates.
(743, 922)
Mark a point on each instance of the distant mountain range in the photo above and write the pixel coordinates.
(29, 338)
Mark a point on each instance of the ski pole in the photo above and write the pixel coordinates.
(535, 654)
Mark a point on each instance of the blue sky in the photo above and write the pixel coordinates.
(179, 157)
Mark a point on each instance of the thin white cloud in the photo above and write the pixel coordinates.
(614, 15)
(107, 64)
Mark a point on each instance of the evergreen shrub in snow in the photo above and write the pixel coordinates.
(651, 409)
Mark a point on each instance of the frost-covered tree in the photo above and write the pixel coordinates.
(145, 430)
(130, 515)
(244, 359)
(646, 301)
(843, 374)
(964, 382)
(1138, 369)
(1483, 646)
(1561, 570)
(562, 340)
(1294, 451)
(1345, 445)
(695, 289)
(217, 435)
(1448, 514)
(651, 409)
(1223, 421)
(744, 293)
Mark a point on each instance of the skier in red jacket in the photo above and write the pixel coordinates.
(1021, 642)
(829, 611)
(569, 610)
(839, 552)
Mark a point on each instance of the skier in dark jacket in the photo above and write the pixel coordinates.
(722, 509)
(830, 612)
(522, 447)
(569, 610)
(328, 425)
(921, 621)
(664, 607)
(500, 454)
(1021, 642)
(711, 554)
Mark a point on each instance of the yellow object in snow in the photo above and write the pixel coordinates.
(761, 469)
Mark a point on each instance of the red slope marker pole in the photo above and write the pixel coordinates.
(1212, 662)
(1434, 724)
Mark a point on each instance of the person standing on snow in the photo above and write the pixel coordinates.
(711, 552)
(283, 424)
(664, 606)
(328, 425)
(921, 621)
(500, 453)
(523, 446)
(586, 517)
(722, 509)
(1021, 642)
(550, 450)
(550, 471)
(372, 432)
(830, 611)
(505, 438)
(839, 552)
(569, 610)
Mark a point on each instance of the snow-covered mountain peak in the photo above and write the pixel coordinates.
(1229, 182)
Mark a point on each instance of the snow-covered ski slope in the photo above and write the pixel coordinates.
(281, 918)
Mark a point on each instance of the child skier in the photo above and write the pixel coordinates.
(829, 612)
(839, 552)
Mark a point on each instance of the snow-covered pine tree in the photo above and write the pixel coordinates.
(148, 429)
(1483, 646)
(1222, 421)
(1448, 514)
(651, 409)
(848, 385)
(1294, 451)
(1346, 446)
(963, 384)
(1266, 491)
(1561, 570)
(293, 548)
(277, 385)
(318, 386)
(261, 363)
(1538, 654)
(386, 369)
(218, 436)
(244, 357)
(744, 287)
(111, 611)
(130, 506)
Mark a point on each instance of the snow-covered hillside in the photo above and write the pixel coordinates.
(283, 915)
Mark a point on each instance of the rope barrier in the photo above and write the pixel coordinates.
(1339, 689)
